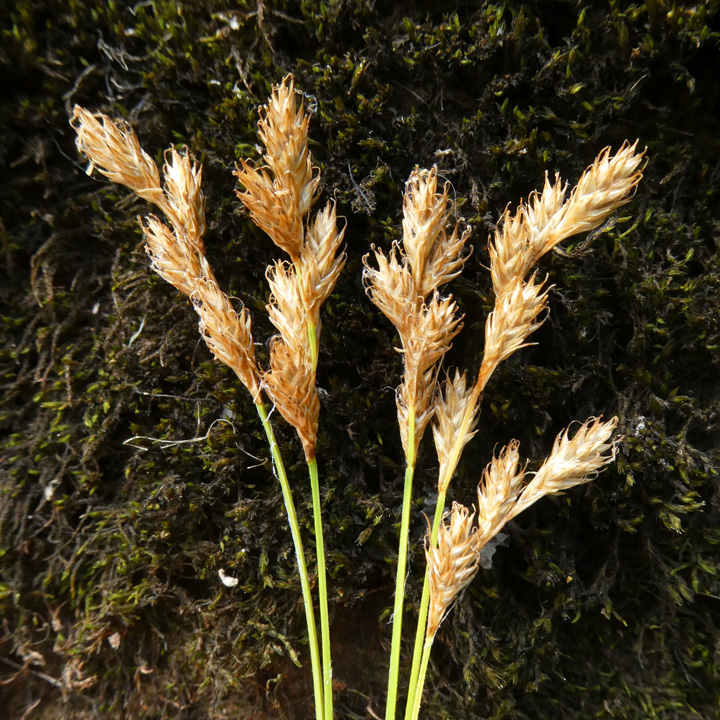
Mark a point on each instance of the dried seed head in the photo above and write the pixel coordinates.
(285, 308)
(547, 218)
(451, 430)
(502, 495)
(606, 185)
(510, 257)
(114, 150)
(543, 212)
(452, 564)
(434, 258)
(271, 212)
(430, 333)
(283, 129)
(177, 255)
(227, 333)
(174, 261)
(290, 382)
(501, 485)
(280, 198)
(319, 264)
(572, 462)
(186, 202)
(509, 324)
(426, 337)
(541, 217)
(416, 395)
(427, 259)
(519, 241)
(391, 288)
(520, 238)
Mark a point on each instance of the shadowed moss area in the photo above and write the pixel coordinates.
(134, 468)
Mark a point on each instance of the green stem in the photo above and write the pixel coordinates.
(322, 590)
(299, 556)
(421, 679)
(394, 670)
(417, 671)
(418, 649)
(314, 341)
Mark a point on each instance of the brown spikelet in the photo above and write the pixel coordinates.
(284, 131)
(280, 195)
(498, 492)
(271, 212)
(436, 325)
(424, 218)
(113, 149)
(174, 261)
(541, 216)
(391, 288)
(227, 333)
(606, 185)
(510, 254)
(426, 337)
(434, 257)
(503, 493)
(571, 462)
(290, 383)
(451, 429)
(416, 395)
(452, 564)
(319, 264)
(285, 309)
(177, 255)
(510, 323)
(185, 200)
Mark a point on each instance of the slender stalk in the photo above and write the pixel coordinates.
(313, 341)
(422, 618)
(313, 338)
(417, 700)
(443, 484)
(394, 670)
(300, 557)
(322, 591)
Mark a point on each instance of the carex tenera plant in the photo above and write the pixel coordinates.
(406, 283)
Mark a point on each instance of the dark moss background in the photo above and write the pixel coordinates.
(605, 603)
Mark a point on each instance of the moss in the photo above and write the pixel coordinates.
(603, 601)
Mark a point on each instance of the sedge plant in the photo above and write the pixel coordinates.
(279, 196)
(406, 284)
(453, 548)
(548, 218)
